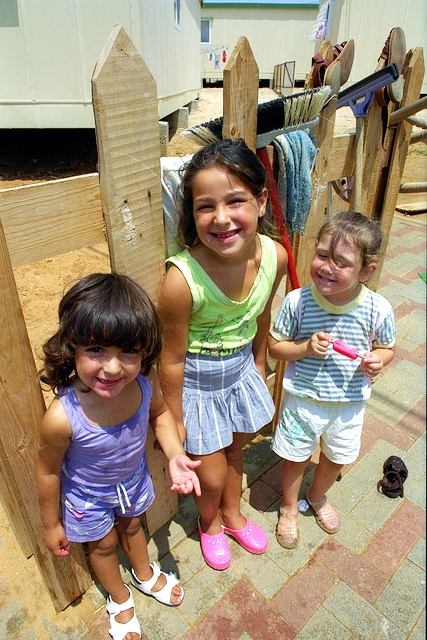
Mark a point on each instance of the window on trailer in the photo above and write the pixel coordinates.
(177, 10)
(206, 31)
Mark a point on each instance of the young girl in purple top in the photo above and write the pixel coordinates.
(92, 452)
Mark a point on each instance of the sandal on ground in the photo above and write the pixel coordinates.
(215, 549)
(251, 537)
(326, 516)
(287, 533)
(118, 630)
(164, 594)
(395, 473)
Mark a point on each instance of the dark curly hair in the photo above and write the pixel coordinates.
(233, 156)
(102, 309)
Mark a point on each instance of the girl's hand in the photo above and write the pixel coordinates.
(56, 540)
(371, 364)
(319, 343)
(184, 479)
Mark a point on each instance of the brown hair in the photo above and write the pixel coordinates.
(101, 309)
(235, 157)
(357, 229)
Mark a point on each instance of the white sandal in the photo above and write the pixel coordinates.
(118, 630)
(164, 595)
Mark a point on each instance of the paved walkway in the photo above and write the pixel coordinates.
(366, 581)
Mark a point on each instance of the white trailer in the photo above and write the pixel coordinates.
(48, 50)
(281, 30)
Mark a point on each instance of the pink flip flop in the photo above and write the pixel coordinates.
(215, 549)
(251, 537)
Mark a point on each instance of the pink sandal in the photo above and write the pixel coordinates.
(326, 516)
(215, 549)
(251, 537)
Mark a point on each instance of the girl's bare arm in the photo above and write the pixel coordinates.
(259, 345)
(175, 303)
(165, 428)
(54, 440)
(378, 358)
(292, 350)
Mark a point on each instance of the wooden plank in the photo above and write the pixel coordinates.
(14, 516)
(319, 204)
(127, 130)
(45, 219)
(341, 161)
(125, 106)
(240, 94)
(376, 153)
(408, 110)
(22, 407)
(412, 207)
(413, 82)
(413, 187)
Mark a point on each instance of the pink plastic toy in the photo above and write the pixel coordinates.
(345, 350)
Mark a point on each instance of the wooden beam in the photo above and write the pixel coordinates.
(399, 149)
(127, 130)
(22, 408)
(413, 187)
(45, 219)
(407, 111)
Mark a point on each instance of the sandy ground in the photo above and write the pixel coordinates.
(41, 284)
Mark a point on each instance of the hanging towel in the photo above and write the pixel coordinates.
(171, 181)
(296, 155)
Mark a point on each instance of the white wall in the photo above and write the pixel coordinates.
(279, 35)
(369, 23)
(275, 36)
(49, 49)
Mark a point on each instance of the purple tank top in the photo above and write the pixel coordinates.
(105, 455)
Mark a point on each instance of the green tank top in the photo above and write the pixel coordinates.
(218, 325)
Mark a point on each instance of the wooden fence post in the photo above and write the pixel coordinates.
(240, 94)
(22, 407)
(304, 244)
(127, 131)
(385, 207)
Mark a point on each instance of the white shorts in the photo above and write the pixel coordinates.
(303, 423)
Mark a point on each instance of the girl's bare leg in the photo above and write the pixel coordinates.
(229, 507)
(105, 563)
(324, 477)
(292, 475)
(212, 474)
(134, 544)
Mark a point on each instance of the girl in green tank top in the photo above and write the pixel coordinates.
(215, 305)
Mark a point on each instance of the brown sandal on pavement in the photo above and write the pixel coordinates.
(326, 516)
(288, 535)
